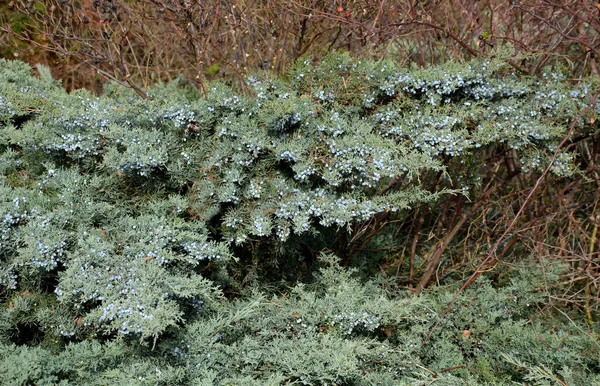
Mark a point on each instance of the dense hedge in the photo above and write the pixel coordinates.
(143, 242)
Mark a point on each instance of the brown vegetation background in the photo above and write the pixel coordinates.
(141, 42)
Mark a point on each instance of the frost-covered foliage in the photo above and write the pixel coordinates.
(122, 220)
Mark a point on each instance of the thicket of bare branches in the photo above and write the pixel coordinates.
(141, 42)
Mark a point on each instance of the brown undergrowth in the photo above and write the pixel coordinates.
(138, 43)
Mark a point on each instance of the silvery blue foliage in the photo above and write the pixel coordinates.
(6, 110)
(119, 219)
(123, 202)
(133, 292)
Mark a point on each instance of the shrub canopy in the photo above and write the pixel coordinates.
(123, 221)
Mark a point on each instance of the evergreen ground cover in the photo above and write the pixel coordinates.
(190, 239)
